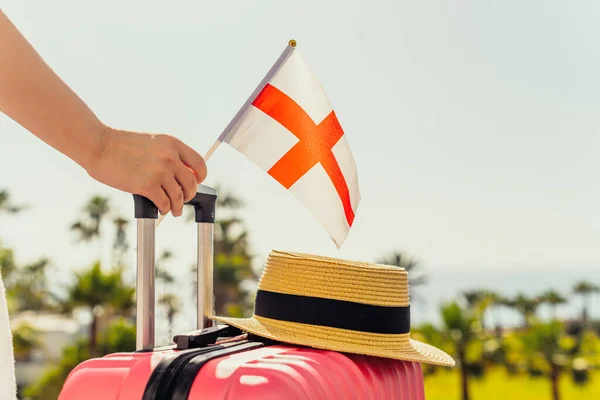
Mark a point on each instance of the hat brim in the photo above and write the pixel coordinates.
(399, 347)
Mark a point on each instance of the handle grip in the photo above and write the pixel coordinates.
(204, 203)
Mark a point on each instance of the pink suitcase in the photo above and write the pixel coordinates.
(220, 362)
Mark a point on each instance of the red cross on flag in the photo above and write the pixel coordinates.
(289, 129)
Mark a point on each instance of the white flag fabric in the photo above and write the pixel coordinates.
(290, 130)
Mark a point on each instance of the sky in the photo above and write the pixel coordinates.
(475, 127)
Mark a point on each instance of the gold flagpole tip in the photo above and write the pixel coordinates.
(292, 43)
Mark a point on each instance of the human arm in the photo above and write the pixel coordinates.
(156, 166)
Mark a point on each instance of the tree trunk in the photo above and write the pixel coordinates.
(584, 312)
(93, 334)
(498, 324)
(220, 300)
(525, 320)
(554, 374)
(464, 379)
(171, 318)
(498, 332)
(482, 320)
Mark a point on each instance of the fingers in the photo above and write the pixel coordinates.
(176, 171)
(160, 200)
(175, 193)
(187, 181)
(193, 160)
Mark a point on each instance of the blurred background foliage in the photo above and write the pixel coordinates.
(538, 359)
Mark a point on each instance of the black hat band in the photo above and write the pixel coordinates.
(332, 313)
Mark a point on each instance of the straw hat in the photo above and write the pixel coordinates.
(339, 305)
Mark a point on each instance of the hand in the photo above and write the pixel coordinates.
(157, 166)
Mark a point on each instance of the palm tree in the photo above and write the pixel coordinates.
(228, 200)
(7, 263)
(226, 241)
(479, 300)
(585, 289)
(87, 227)
(26, 339)
(416, 274)
(120, 245)
(460, 327)
(553, 299)
(95, 289)
(544, 340)
(172, 306)
(169, 301)
(527, 306)
(230, 271)
(6, 205)
(26, 285)
(231, 268)
(161, 273)
(474, 297)
(232, 258)
(496, 301)
(28, 289)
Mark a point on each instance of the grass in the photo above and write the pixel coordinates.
(497, 385)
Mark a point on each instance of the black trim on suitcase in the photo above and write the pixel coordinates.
(185, 379)
(205, 337)
(161, 380)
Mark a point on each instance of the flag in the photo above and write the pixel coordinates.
(290, 130)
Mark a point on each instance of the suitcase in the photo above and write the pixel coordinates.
(219, 361)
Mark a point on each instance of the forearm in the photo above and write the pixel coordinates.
(36, 98)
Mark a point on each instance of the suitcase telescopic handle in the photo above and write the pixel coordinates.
(146, 213)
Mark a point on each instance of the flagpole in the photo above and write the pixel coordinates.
(289, 49)
(242, 112)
